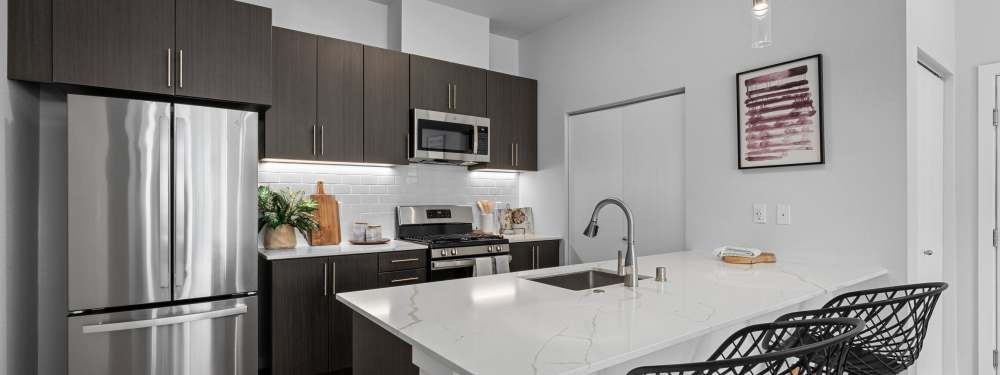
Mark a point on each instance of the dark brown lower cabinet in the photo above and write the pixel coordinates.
(308, 331)
(301, 321)
(534, 255)
(378, 352)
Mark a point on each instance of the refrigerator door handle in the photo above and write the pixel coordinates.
(239, 309)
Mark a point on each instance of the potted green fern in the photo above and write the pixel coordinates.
(281, 213)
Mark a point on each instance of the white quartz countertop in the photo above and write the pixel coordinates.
(506, 324)
(345, 248)
(515, 238)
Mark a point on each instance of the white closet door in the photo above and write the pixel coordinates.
(930, 207)
(654, 172)
(595, 157)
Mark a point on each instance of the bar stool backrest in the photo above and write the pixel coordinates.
(897, 318)
(783, 348)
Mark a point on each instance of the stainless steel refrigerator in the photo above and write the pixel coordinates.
(162, 238)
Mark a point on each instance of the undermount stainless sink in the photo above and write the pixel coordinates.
(583, 280)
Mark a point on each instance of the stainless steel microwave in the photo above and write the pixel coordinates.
(448, 138)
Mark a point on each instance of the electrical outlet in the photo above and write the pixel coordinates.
(760, 213)
(784, 214)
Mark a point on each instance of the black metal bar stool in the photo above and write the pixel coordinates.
(897, 319)
(782, 348)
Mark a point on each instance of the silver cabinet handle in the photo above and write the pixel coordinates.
(449, 96)
(180, 68)
(928, 252)
(314, 140)
(137, 324)
(170, 67)
(404, 260)
(333, 278)
(326, 278)
(322, 140)
(517, 154)
(455, 106)
(512, 162)
(405, 280)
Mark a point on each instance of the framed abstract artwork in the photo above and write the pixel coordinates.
(781, 114)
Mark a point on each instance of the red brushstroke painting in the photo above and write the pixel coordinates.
(779, 114)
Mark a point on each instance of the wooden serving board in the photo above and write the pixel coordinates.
(762, 258)
(328, 216)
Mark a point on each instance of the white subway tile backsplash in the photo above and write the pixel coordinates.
(371, 194)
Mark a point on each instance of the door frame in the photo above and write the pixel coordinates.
(987, 256)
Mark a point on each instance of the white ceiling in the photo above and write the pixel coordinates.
(515, 18)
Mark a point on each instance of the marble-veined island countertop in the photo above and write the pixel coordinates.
(506, 324)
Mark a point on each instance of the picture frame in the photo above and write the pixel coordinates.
(780, 114)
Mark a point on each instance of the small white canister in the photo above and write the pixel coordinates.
(374, 233)
(358, 231)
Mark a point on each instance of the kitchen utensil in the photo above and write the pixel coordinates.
(764, 257)
(327, 216)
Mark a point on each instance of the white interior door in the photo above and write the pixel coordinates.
(930, 206)
(654, 172)
(595, 154)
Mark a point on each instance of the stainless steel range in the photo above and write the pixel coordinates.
(454, 250)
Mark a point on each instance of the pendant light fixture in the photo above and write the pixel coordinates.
(760, 15)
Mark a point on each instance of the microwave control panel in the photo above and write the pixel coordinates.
(483, 138)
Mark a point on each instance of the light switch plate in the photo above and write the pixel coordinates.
(760, 213)
(784, 214)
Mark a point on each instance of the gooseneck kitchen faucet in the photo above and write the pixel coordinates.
(631, 268)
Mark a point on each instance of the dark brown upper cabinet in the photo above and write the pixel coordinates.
(318, 99)
(118, 44)
(290, 124)
(386, 106)
(340, 105)
(512, 106)
(29, 36)
(223, 51)
(447, 87)
(207, 49)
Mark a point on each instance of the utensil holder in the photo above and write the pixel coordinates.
(487, 223)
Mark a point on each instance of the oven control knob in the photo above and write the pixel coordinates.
(444, 252)
(454, 252)
(489, 249)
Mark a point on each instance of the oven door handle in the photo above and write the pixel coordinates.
(449, 264)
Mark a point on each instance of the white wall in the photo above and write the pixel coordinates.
(504, 57)
(930, 26)
(437, 31)
(361, 21)
(977, 45)
(852, 208)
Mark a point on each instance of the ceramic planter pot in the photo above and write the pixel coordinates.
(282, 237)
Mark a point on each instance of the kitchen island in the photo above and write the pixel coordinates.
(508, 324)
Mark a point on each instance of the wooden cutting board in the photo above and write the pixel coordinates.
(328, 216)
(764, 257)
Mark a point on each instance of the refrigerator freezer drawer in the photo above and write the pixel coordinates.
(217, 337)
